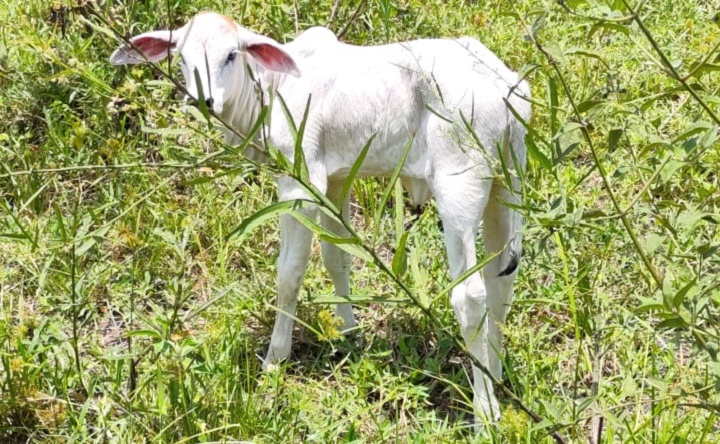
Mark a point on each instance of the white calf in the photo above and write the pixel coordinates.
(453, 96)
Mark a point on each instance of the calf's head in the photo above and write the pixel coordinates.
(217, 48)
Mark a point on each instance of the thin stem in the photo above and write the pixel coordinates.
(75, 312)
(352, 18)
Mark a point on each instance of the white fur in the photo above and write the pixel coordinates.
(423, 88)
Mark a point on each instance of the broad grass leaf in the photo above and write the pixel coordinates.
(698, 70)
(709, 138)
(586, 53)
(532, 135)
(201, 104)
(198, 180)
(653, 241)
(657, 383)
(399, 261)
(391, 185)
(17, 236)
(613, 138)
(347, 184)
(682, 293)
(165, 235)
(244, 171)
(538, 24)
(349, 244)
(299, 165)
(668, 289)
(609, 26)
(480, 265)
(589, 104)
(697, 128)
(670, 169)
(674, 322)
(86, 246)
(556, 53)
(262, 216)
(629, 386)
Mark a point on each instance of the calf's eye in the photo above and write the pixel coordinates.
(231, 56)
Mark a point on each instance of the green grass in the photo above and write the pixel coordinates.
(126, 317)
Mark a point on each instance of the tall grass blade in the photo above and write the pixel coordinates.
(379, 210)
(347, 184)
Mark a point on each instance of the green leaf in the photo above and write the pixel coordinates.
(202, 106)
(653, 241)
(614, 137)
(698, 70)
(288, 115)
(300, 166)
(609, 26)
(533, 150)
(555, 52)
(699, 127)
(629, 386)
(586, 53)
(486, 260)
(668, 290)
(399, 261)
(145, 333)
(15, 236)
(165, 235)
(648, 304)
(553, 100)
(657, 383)
(588, 105)
(538, 24)
(349, 244)
(205, 179)
(347, 184)
(709, 138)
(389, 189)
(85, 246)
(263, 215)
(680, 295)
(670, 169)
(674, 322)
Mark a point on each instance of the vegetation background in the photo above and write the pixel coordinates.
(125, 315)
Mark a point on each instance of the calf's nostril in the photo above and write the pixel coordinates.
(209, 102)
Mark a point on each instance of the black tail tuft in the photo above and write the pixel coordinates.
(514, 263)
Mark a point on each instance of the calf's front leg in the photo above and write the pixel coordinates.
(295, 242)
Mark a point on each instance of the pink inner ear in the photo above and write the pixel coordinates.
(273, 58)
(153, 47)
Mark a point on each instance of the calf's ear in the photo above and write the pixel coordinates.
(271, 56)
(153, 46)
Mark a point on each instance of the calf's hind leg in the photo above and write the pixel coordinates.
(502, 230)
(337, 261)
(461, 199)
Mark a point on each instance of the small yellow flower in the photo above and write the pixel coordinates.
(328, 325)
(16, 364)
